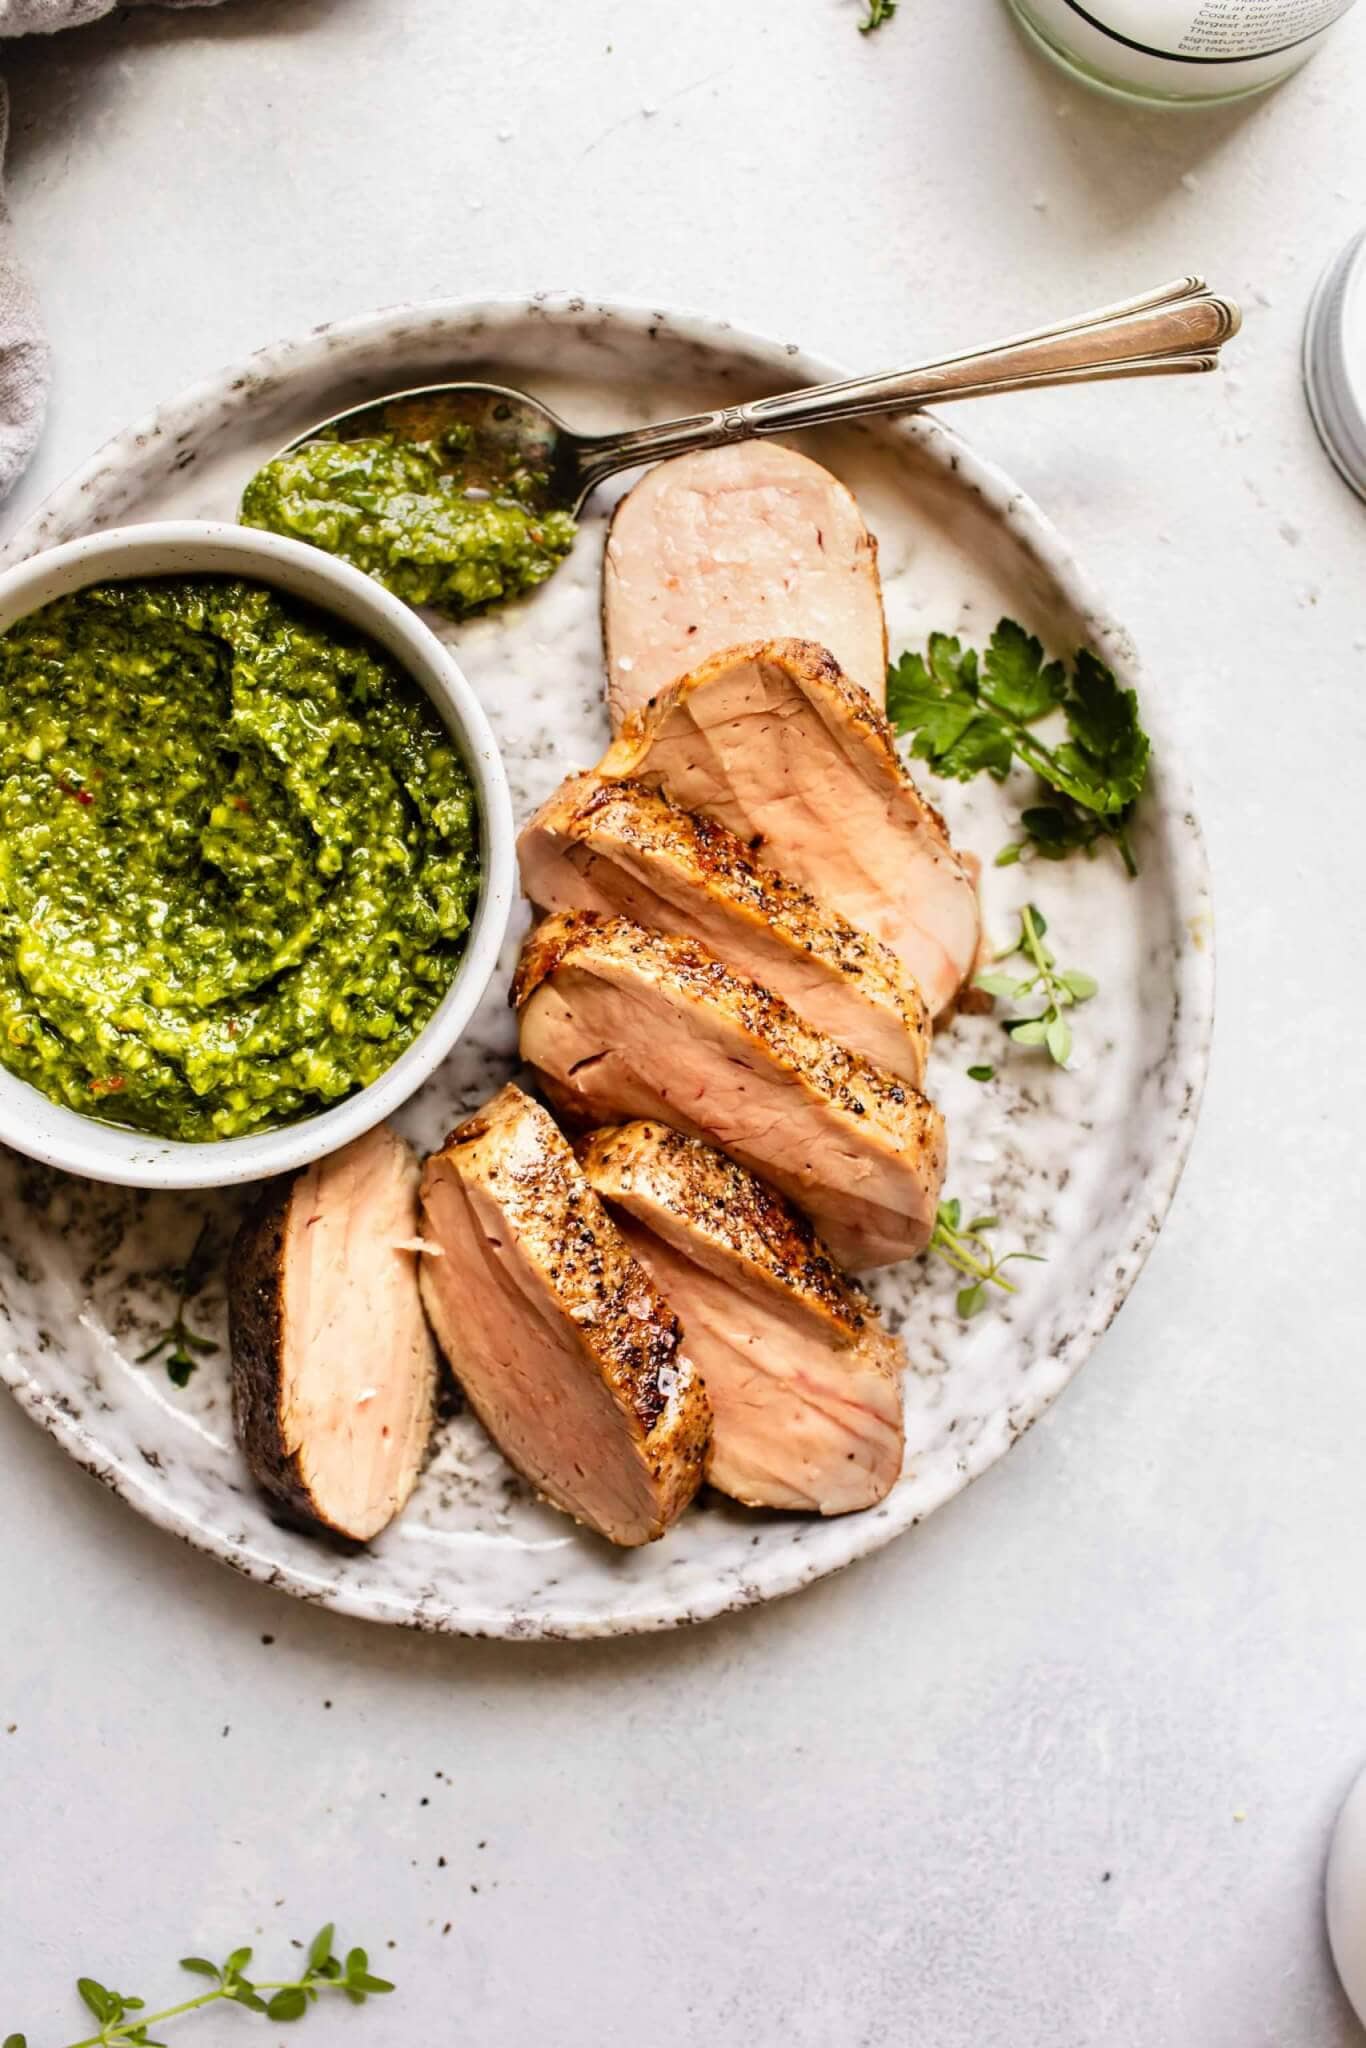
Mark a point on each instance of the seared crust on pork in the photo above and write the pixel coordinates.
(257, 1311)
(624, 1023)
(334, 1368)
(775, 742)
(620, 849)
(804, 1382)
(567, 1352)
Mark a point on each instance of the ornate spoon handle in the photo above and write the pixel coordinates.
(1181, 326)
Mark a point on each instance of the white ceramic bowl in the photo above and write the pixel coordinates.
(102, 1151)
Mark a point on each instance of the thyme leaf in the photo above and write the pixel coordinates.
(967, 1249)
(1061, 989)
(124, 2019)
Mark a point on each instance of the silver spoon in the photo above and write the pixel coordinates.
(1181, 326)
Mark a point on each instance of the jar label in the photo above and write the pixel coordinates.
(1209, 31)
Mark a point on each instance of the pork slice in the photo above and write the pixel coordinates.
(569, 1355)
(620, 849)
(749, 542)
(774, 742)
(623, 1023)
(334, 1368)
(804, 1382)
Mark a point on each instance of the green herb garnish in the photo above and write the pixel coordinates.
(964, 1246)
(123, 2018)
(971, 715)
(1061, 990)
(981, 1073)
(878, 12)
(185, 1347)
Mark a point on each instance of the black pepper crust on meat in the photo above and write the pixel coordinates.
(805, 1382)
(646, 820)
(621, 1023)
(600, 1284)
(596, 1285)
(568, 939)
(728, 1205)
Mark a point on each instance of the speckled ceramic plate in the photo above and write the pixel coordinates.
(1081, 1164)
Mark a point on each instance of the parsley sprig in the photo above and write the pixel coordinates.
(185, 1347)
(1062, 989)
(972, 714)
(123, 2018)
(966, 1247)
(878, 12)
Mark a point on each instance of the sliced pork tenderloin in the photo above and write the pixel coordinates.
(334, 1368)
(623, 1023)
(747, 542)
(568, 1353)
(620, 849)
(777, 744)
(804, 1382)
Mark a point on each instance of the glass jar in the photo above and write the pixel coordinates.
(1181, 52)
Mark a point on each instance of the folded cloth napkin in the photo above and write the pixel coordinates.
(23, 349)
(39, 17)
(23, 345)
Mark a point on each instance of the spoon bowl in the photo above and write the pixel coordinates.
(491, 431)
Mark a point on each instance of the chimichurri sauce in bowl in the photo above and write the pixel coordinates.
(238, 856)
(430, 523)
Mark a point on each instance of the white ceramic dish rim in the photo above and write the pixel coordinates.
(62, 1137)
(778, 1574)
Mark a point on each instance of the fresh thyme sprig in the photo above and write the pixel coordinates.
(964, 1246)
(185, 1347)
(123, 2018)
(1061, 989)
(878, 12)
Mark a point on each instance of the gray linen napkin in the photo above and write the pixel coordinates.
(23, 349)
(24, 360)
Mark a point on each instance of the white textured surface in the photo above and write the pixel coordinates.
(883, 1811)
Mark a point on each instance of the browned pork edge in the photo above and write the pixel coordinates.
(557, 939)
(274, 1414)
(822, 671)
(903, 1128)
(872, 845)
(728, 875)
(812, 1417)
(635, 1346)
(733, 1213)
(256, 1274)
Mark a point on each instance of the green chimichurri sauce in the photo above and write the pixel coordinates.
(413, 515)
(238, 856)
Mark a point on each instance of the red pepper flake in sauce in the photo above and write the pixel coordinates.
(109, 1084)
